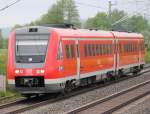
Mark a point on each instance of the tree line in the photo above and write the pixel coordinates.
(65, 11)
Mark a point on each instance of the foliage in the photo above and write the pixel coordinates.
(137, 23)
(62, 11)
(8, 93)
(134, 23)
(147, 56)
(99, 21)
(3, 61)
(3, 43)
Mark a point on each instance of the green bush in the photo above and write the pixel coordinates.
(3, 61)
(2, 94)
(147, 56)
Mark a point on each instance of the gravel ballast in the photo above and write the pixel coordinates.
(141, 106)
(79, 100)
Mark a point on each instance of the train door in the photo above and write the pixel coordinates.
(71, 57)
(116, 55)
(78, 59)
(139, 51)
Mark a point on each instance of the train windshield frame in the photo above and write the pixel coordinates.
(31, 49)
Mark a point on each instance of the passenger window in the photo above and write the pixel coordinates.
(60, 53)
(89, 49)
(100, 49)
(125, 48)
(67, 51)
(110, 49)
(133, 47)
(72, 50)
(97, 50)
(104, 49)
(93, 49)
(85, 50)
(120, 47)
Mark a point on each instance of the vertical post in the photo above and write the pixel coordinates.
(0, 38)
(109, 15)
(2, 83)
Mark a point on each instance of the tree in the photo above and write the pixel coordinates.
(137, 23)
(99, 21)
(0, 38)
(117, 15)
(62, 11)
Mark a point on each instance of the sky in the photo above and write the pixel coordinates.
(26, 11)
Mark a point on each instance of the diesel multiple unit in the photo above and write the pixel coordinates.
(46, 59)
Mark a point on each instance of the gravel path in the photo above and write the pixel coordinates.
(76, 101)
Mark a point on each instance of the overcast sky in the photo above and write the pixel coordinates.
(29, 10)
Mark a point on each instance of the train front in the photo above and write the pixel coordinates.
(26, 58)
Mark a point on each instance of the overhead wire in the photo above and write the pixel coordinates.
(9, 5)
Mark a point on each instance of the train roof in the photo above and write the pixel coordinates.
(83, 33)
(78, 32)
(127, 35)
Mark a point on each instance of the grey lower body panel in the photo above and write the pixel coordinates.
(49, 88)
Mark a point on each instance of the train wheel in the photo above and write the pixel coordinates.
(68, 87)
(28, 96)
(136, 70)
(135, 73)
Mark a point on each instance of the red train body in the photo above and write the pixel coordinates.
(45, 60)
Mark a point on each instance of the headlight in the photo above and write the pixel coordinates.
(40, 71)
(17, 71)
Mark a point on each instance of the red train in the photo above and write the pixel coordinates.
(46, 59)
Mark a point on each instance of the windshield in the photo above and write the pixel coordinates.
(31, 51)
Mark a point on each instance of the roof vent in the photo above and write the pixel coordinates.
(33, 30)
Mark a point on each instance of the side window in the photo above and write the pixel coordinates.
(133, 47)
(125, 48)
(100, 49)
(104, 49)
(60, 53)
(93, 49)
(85, 50)
(107, 49)
(97, 49)
(72, 51)
(110, 49)
(120, 47)
(89, 49)
(67, 51)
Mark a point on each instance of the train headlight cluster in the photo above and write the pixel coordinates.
(18, 71)
(42, 71)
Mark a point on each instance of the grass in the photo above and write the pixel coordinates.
(6, 94)
(3, 61)
(3, 65)
(147, 56)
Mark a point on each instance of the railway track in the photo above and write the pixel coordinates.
(115, 101)
(25, 104)
(9, 100)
